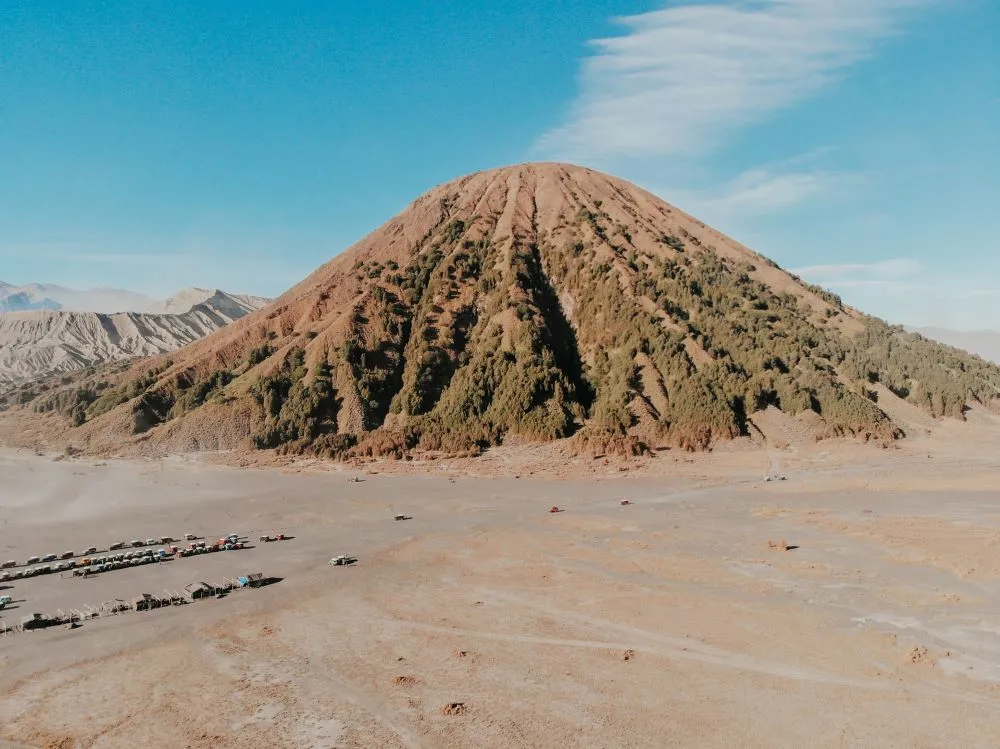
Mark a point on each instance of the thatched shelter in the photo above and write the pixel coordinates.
(195, 591)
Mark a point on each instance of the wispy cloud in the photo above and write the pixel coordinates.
(157, 267)
(120, 258)
(904, 290)
(86, 253)
(681, 78)
(975, 293)
(760, 191)
(854, 283)
(881, 272)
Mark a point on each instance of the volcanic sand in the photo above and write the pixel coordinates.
(669, 622)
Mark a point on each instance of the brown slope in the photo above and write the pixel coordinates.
(506, 198)
(531, 301)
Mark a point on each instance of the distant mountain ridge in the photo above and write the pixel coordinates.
(46, 296)
(38, 342)
(22, 301)
(34, 296)
(984, 343)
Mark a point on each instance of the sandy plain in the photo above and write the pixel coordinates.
(669, 622)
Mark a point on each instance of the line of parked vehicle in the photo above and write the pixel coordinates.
(229, 543)
(131, 559)
(86, 563)
(91, 564)
(119, 545)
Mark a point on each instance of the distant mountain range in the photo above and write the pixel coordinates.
(984, 343)
(39, 336)
(45, 296)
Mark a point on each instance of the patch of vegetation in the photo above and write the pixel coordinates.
(193, 392)
(259, 355)
(296, 410)
(827, 296)
(939, 379)
(673, 242)
(122, 394)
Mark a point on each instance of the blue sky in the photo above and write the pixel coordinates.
(157, 145)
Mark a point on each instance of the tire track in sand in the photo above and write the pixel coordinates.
(684, 648)
(688, 652)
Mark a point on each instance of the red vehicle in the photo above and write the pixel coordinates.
(553, 508)
(624, 502)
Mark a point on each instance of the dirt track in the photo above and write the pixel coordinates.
(665, 623)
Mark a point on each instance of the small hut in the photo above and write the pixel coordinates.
(114, 606)
(145, 602)
(196, 591)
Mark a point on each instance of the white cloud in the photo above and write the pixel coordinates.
(758, 192)
(91, 253)
(904, 290)
(975, 293)
(681, 78)
(895, 286)
(862, 274)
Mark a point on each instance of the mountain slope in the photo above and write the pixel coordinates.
(38, 344)
(533, 302)
(234, 305)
